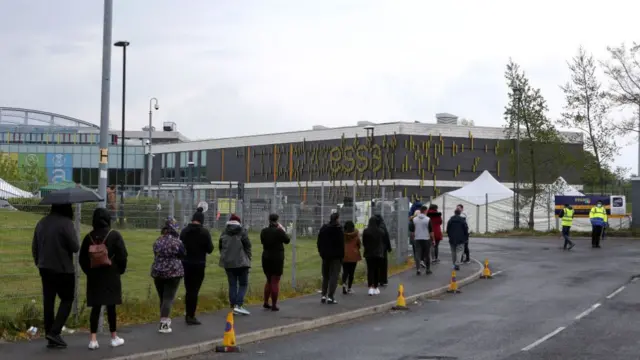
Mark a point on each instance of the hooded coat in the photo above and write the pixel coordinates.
(273, 239)
(104, 286)
(235, 247)
(197, 243)
(373, 239)
(331, 241)
(352, 247)
(436, 223)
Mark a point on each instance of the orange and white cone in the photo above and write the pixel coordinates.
(486, 272)
(229, 338)
(453, 285)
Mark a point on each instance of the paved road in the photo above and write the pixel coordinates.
(539, 289)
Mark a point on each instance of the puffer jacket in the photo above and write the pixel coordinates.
(235, 247)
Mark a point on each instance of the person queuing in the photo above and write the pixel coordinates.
(235, 259)
(331, 249)
(103, 258)
(373, 241)
(599, 220)
(167, 270)
(567, 220)
(352, 255)
(466, 257)
(458, 233)
(423, 239)
(54, 243)
(435, 218)
(273, 239)
(197, 243)
(386, 248)
(413, 212)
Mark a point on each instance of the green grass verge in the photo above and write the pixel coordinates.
(20, 293)
(525, 233)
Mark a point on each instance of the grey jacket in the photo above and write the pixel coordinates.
(235, 247)
(423, 227)
(54, 243)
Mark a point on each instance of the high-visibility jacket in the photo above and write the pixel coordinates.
(598, 216)
(567, 217)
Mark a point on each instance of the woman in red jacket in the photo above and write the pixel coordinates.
(436, 224)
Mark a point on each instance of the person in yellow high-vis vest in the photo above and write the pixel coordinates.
(566, 216)
(599, 219)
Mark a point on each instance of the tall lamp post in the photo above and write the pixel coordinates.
(517, 96)
(123, 45)
(370, 134)
(153, 104)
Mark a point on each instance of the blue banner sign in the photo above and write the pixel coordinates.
(615, 205)
(59, 167)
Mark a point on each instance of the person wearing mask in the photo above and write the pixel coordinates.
(599, 219)
(167, 270)
(351, 256)
(423, 239)
(466, 257)
(458, 233)
(103, 258)
(331, 249)
(273, 239)
(54, 243)
(435, 218)
(197, 244)
(235, 259)
(567, 220)
(373, 241)
(386, 244)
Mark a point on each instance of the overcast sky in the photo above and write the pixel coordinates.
(239, 67)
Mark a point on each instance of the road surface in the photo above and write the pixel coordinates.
(543, 303)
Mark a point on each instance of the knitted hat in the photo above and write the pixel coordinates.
(234, 217)
(198, 216)
(171, 223)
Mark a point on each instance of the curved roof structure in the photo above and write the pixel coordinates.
(19, 116)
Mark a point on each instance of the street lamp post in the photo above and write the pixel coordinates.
(517, 95)
(153, 104)
(370, 134)
(190, 164)
(123, 45)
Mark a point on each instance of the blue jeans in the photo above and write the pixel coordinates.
(238, 282)
(565, 235)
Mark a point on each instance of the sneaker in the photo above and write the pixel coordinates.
(275, 308)
(191, 320)
(429, 272)
(467, 261)
(571, 246)
(323, 299)
(165, 327)
(266, 306)
(371, 292)
(331, 301)
(350, 291)
(344, 290)
(57, 340)
(117, 341)
(418, 272)
(241, 310)
(384, 285)
(93, 345)
(376, 291)
(436, 261)
(422, 264)
(456, 268)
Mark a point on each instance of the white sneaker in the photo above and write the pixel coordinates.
(117, 341)
(350, 291)
(165, 327)
(240, 310)
(371, 292)
(93, 345)
(376, 291)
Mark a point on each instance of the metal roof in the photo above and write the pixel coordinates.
(20, 116)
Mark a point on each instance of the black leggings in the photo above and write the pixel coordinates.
(193, 278)
(374, 268)
(95, 317)
(348, 273)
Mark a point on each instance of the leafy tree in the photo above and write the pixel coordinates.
(9, 171)
(623, 69)
(587, 109)
(540, 143)
(33, 177)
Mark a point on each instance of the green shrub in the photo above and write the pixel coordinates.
(139, 213)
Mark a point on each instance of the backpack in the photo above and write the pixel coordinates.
(98, 253)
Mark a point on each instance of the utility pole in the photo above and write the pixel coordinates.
(105, 101)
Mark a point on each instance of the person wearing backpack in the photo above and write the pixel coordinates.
(103, 258)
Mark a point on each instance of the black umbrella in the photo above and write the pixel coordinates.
(70, 196)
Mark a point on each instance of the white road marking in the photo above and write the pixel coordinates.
(543, 339)
(588, 311)
(615, 292)
(498, 272)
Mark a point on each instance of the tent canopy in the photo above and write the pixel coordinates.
(561, 188)
(9, 191)
(484, 187)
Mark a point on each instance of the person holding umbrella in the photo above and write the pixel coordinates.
(54, 242)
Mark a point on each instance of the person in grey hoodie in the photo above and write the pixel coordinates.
(423, 237)
(235, 259)
(458, 233)
(54, 243)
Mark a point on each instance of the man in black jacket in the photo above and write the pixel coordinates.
(331, 250)
(458, 233)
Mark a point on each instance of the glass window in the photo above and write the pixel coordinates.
(68, 149)
(194, 157)
(163, 164)
(203, 157)
(183, 159)
(86, 160)
(77, 160)
(4, 148)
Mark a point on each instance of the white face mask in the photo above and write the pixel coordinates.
(599, 205)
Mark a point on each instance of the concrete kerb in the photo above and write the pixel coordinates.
(260, 335)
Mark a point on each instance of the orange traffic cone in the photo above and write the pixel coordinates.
(453, 285)
(401, 303)
(486, 273)
(229, 338)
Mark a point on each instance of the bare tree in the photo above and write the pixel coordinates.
(587, 109)
(623, 69)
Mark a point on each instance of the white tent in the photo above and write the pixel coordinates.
(487, 203)
(562, 188)
(9, 191)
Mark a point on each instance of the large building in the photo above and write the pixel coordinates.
(67, 148)
(412, 159)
